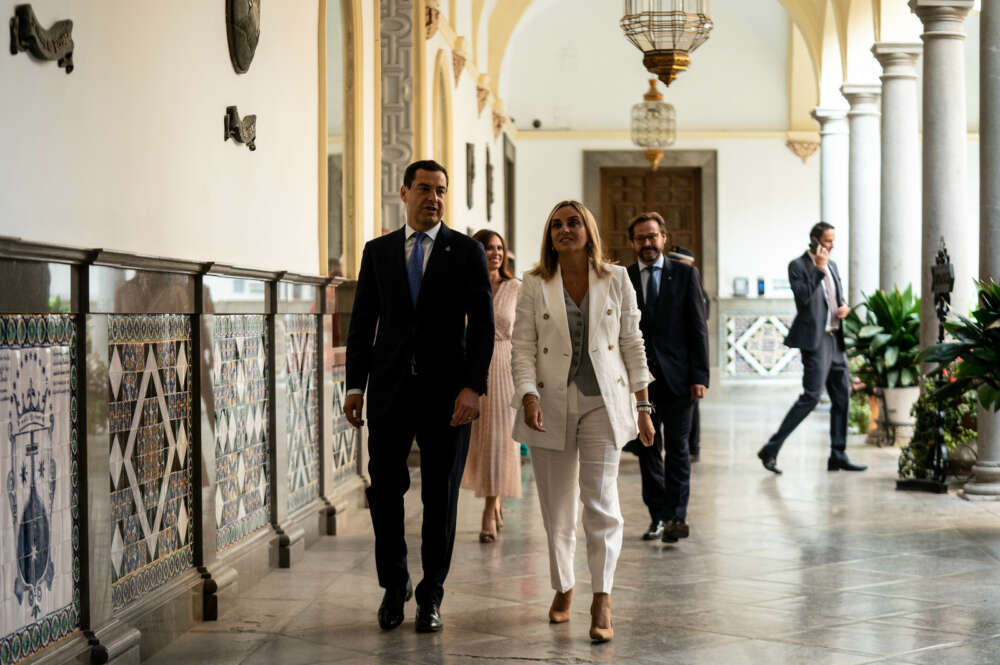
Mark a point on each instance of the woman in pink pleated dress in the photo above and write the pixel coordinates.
(493, 468)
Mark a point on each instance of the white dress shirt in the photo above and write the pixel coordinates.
(428, 242)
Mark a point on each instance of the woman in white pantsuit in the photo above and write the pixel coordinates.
(578, 356)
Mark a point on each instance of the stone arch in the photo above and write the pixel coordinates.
(443, 131)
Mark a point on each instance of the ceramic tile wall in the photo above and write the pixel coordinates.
(302, 423)
(239, 387)
(149, 414)
(39, 467)
(345, 437)
(755, 346)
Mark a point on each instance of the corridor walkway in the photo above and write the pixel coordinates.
(810, 567)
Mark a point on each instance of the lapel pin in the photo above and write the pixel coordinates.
(447, 248)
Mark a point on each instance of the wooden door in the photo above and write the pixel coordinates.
(675, 193)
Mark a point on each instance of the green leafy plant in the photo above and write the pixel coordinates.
(974, 348)
(958, 428)
(884, 332)
(859, 415)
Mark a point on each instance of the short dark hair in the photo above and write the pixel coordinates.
(818, 229)
(484, 236)
(422, 165)
(649, 216)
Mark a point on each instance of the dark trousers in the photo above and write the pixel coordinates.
(826, 366)
(443, 450)
(666, 484)
(694, 438)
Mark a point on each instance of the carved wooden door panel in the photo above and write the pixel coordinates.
(675, 193)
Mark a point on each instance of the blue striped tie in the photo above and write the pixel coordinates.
(415, 266)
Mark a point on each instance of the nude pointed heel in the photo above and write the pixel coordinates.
(600, 619)
(559, 612)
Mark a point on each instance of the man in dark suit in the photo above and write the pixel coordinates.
(694, 438)
(818, 334)
(676, 336)
(420, 340)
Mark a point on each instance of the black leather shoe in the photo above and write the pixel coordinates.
(674, 530)
(390, 612)
(429, 618)
(655, 530)
(841, 463)
(634, 446)
(769, 461)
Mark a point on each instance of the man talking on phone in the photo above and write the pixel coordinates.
(818, 334)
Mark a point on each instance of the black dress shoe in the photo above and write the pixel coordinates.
(695, 457)
(674, 530)
(769, 461)
(655, 530)
(841, 463)
(390, 612)
(428, 618)
(634, 446)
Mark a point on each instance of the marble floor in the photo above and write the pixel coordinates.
(810, 567)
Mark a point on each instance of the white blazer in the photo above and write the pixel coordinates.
(542, 351)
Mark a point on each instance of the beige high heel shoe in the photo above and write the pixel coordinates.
(600, 619)
(559, 612)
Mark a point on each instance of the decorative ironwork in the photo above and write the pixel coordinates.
(240, 131)
(667, 32)
(243, 31)
(654, 125)
(55, 43)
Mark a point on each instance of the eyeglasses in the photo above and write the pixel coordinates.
(642, 240)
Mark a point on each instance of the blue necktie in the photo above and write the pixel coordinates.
(415, 267)
(651, 289)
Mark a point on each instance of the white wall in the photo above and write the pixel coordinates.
(767, 200)
(334, 68)
(569, 65)
(127, 152)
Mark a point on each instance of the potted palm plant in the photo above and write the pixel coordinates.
(884, 333)
(972, 355)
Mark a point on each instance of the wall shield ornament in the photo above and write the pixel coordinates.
(55, 43)
(240, 130)
(243, 30)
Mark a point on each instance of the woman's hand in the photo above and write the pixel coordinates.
(533, 413)
(646, 429)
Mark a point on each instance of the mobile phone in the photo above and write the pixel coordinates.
(813, 244)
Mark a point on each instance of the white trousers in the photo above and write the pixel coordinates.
(590, 453)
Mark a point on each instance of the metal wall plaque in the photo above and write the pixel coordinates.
(240, 131)
(55, 43)
(243, 30)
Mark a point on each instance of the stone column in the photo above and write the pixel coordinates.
(863, 182)
(945, 134)
(986, 483)
(899, 239)
(396, 34)
(833, 193)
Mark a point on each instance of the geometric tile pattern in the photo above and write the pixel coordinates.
(39, 476)
(346, 437)
(302, 421)
(755, 346)
(149, 423)
(239, 384)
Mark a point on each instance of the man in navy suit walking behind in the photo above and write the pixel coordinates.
(420, 341)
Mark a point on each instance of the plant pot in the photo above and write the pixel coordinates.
(898, 403)
(873, 410)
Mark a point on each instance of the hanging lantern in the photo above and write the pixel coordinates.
(654, 125)
(667, 32)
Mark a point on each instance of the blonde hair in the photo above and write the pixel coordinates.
(548, 262)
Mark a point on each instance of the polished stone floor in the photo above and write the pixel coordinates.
(807, 568)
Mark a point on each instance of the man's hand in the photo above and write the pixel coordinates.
(533, 413)
(698, 391)
(466, 407)
(843, 311)
(822, 256)
(646, 429)
(353, 406)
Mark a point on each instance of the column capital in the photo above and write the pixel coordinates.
(831, 121)
(942, 18)
(898, 59)
(864, 98)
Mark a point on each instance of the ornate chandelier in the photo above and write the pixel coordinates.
(654, 125)
(667, 32)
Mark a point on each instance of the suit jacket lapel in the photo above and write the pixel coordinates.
(397, 266)
(599, 290)
(635, 276)
(436, 262)
(666, 281)
(555, 305)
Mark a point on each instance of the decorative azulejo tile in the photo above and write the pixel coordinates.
(344, 456)
(39, 472)
(239, 387)
(302, 420)
(149, 416)
(755, 346)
